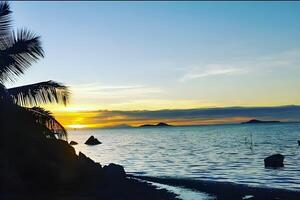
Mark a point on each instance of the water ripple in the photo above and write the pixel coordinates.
(219, 153)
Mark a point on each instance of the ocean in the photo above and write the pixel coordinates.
(226, 153)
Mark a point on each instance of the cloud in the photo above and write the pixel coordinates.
(98, 91)
(199, 116)
(211, 70)
(269, 63)
(288, 58)
(280, 112)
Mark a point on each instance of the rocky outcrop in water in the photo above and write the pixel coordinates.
(73, 143)
(274, 161)
(92, 141)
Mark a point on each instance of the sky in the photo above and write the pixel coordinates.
(181, 117)
(128, 56)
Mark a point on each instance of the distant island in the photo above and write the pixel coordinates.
(161, 124)
(256, 121)
(119, 126)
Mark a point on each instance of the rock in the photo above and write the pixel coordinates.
(13, 182)
(274, 161)
(89, 171)
(73, 143)
(83, 158)
(92, 141)
(47, 165)
(58, 150)
(86, 162)
(114, 171)
(299, 142)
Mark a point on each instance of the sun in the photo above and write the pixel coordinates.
(77, 126)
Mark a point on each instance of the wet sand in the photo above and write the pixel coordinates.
(227, 190)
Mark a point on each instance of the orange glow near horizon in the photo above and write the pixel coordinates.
(82, 114)
(88, 116)
(96, 119)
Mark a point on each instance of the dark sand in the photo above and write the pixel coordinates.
(127, 189)
(226, 190)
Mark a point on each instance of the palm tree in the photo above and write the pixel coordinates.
(18, 50)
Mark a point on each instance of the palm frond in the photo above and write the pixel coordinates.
(5, 19)
(17, 52)
(40, 93)
(46, 119)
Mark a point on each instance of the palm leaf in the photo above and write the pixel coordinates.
(40, 93)
(17, 52)
(46, 119)
(5, 20)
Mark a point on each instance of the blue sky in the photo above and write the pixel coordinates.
(155, 55)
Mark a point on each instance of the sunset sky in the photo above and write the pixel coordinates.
(126, 56)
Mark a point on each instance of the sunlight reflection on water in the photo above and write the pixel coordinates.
(217, 153)
(185, 194)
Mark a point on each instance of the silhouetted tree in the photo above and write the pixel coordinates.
(18, 50)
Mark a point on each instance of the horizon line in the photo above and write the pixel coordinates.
(173, 126)
(176, 109)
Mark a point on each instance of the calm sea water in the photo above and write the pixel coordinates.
(217, 153)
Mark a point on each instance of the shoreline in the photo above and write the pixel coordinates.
(125, 189)
(51, 169)
(226, 190)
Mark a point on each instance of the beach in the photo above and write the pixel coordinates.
(149, 100)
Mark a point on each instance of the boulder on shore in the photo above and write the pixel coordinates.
(274, 161)
(73, 143)
(92, 141)
(114, 171)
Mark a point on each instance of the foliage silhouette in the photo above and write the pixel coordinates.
(18, 50)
